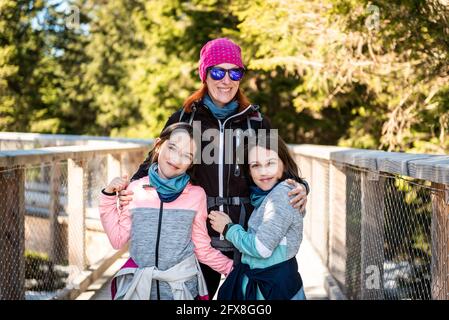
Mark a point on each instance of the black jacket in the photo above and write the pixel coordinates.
(222, 180)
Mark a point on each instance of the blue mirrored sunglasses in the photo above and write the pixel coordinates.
(217, 73)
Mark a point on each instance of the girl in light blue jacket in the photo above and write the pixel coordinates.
(268, 268)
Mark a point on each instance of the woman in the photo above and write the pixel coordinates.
(220, 105)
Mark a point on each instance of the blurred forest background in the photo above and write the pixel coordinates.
(366, 74)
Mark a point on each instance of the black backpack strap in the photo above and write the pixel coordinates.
(188, 116)
(182, 115)
(229, 201)
(254, 120)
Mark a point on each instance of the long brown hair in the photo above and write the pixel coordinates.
(291, 170)
(153, 154)
(200, 93)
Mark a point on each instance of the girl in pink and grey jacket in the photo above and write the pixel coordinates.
(165, 225)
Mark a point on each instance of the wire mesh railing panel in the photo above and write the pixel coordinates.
(46, 250)
(407, 241)
(45, 240)
(50, 231)
(389, 237)
(39, 232)
(12, 244)
(353, 236)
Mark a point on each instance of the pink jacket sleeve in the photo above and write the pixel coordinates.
(116, 223)
(204, 251)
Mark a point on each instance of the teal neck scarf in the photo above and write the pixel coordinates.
(258, 195)
(167, 189)
(221, 112)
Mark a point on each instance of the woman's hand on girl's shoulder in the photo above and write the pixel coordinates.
(125, 197)
(299, 194)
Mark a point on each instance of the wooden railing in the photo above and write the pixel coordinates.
(327, 224)
(332, 202)
(121, 157)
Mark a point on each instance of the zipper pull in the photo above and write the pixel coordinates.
(237, 170)
(237, 145)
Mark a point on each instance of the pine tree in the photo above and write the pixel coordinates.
(20, 53)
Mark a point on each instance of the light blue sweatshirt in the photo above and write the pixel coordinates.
(274, 232)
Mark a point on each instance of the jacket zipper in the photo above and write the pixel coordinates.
(157, 247)
(221, 155)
